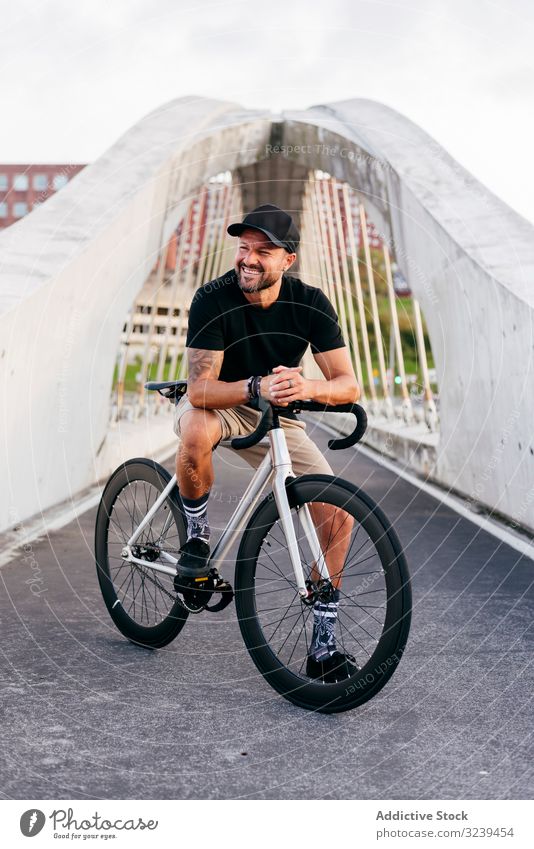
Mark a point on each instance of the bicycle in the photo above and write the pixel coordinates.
(285, 563)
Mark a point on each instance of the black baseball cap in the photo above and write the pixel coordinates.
(277, 225)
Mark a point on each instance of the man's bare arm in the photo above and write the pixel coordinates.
(339, 386)
(204, 389)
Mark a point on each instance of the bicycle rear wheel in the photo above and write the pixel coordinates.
(141, 601)
(366, 563)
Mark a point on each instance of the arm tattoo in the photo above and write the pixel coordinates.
(204, 365)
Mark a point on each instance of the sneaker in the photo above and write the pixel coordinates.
(193, 561)
(336, 667)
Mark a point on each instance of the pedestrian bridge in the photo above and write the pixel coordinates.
(432, 277)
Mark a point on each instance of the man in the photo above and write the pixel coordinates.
(248, 331)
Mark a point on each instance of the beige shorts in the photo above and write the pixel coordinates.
(306, 457)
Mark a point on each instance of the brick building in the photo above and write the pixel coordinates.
(24, 186)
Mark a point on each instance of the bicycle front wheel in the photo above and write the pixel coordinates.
(366, 566)
(141, 601)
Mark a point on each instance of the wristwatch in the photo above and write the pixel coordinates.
(253, 387)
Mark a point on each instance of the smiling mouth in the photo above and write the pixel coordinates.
(248, 270)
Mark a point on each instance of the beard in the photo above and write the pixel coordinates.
(264, 280)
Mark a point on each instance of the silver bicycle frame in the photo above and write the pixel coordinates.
(277, 459)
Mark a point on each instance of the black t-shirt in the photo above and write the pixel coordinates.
(254, 339)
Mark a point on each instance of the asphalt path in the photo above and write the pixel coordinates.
(86, 714)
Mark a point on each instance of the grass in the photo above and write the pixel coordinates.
(132, 370)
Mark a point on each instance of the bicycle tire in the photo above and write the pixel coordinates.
(121, 584)
(382, 662)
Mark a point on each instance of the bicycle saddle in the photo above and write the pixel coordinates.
(171, 389)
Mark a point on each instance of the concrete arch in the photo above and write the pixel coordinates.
(469, 260)
(70, 271)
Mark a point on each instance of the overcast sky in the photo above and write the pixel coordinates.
(76, 76)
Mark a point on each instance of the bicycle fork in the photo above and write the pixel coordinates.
(283, 470)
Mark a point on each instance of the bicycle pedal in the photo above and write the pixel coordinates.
(186, 583)
(224, 588)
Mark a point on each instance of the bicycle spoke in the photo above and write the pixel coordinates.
(359, 606)
(288, 661)
(308, 647)
(268, 592)
(143, 595)
(354, 637)
(269, 624)
(279, 573)
(344, 612)
(284, 616)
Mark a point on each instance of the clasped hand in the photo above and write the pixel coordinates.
(285, 384)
